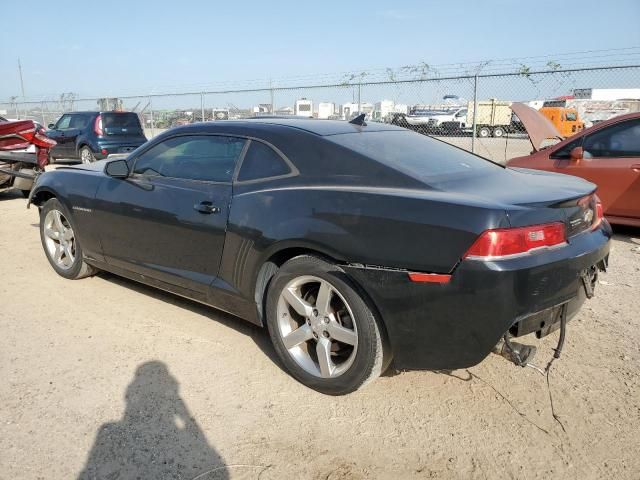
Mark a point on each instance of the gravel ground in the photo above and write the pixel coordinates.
(105, 375)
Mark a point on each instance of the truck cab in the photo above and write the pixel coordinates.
(566, 120)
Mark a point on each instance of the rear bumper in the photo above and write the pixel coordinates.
(105, 148)
(456, 324)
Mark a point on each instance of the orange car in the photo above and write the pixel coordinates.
(607, 154)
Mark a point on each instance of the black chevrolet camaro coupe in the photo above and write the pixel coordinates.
(355, 245)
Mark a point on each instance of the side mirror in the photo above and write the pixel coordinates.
(117, 169)
(576, 154)
(51, 126)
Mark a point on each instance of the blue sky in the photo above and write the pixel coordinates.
(138, 47)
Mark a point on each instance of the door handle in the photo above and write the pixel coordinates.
(635, 168)
(206, 207)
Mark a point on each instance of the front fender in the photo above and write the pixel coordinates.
(75, 189)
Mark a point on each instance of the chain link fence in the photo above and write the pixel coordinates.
(469, 111)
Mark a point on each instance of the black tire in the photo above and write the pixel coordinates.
(370, 358)
(498, 132)
(86, 155)
(484, 132)
(25, 193)
(78, 268)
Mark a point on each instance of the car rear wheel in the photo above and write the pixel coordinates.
(86, 155)
(60, 243)
(322, 329)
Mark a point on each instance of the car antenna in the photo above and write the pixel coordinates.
(359, 120)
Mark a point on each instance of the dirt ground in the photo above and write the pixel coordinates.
(105, 375)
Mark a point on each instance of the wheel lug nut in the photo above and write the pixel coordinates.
(325, 319)
(325, 334)
(315, 335)
(315, 312)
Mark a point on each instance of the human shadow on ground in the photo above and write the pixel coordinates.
(157, 438)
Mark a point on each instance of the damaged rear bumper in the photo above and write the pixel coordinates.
(457, 324)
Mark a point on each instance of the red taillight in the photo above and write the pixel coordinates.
(599, 212)
(97, 126)
(505, 242)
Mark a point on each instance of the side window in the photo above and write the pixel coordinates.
(261, 161)
(564, 152)
(195, 157)
(79, 121)
(64, 122)
(621, 140)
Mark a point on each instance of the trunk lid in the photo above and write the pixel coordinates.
(533, 197)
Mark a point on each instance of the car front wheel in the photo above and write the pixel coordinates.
(60, 242)
(322, 329)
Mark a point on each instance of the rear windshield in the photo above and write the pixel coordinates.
(420, 156)
(121, 123)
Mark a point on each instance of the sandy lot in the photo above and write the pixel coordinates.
(103, 373)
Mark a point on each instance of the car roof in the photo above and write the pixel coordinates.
(311, 125)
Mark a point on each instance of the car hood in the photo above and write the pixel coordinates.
(97, 166)
(537, 125)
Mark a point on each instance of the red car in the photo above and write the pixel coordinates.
(607, 154)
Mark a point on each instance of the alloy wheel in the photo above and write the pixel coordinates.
(59, 239)
(317, 327)
(86, 156)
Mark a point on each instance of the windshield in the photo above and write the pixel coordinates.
(417, 155)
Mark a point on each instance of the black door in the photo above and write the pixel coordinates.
(59, 134)
(79, 122)
(168, 219)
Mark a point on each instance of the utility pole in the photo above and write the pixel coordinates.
(21, 84)
(475, 113)
(271, 90)
(153, 133)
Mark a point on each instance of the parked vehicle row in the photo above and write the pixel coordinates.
(493, 119)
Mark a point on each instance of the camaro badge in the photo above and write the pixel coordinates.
(82, 209)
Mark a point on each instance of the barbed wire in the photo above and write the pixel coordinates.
(616, 57)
